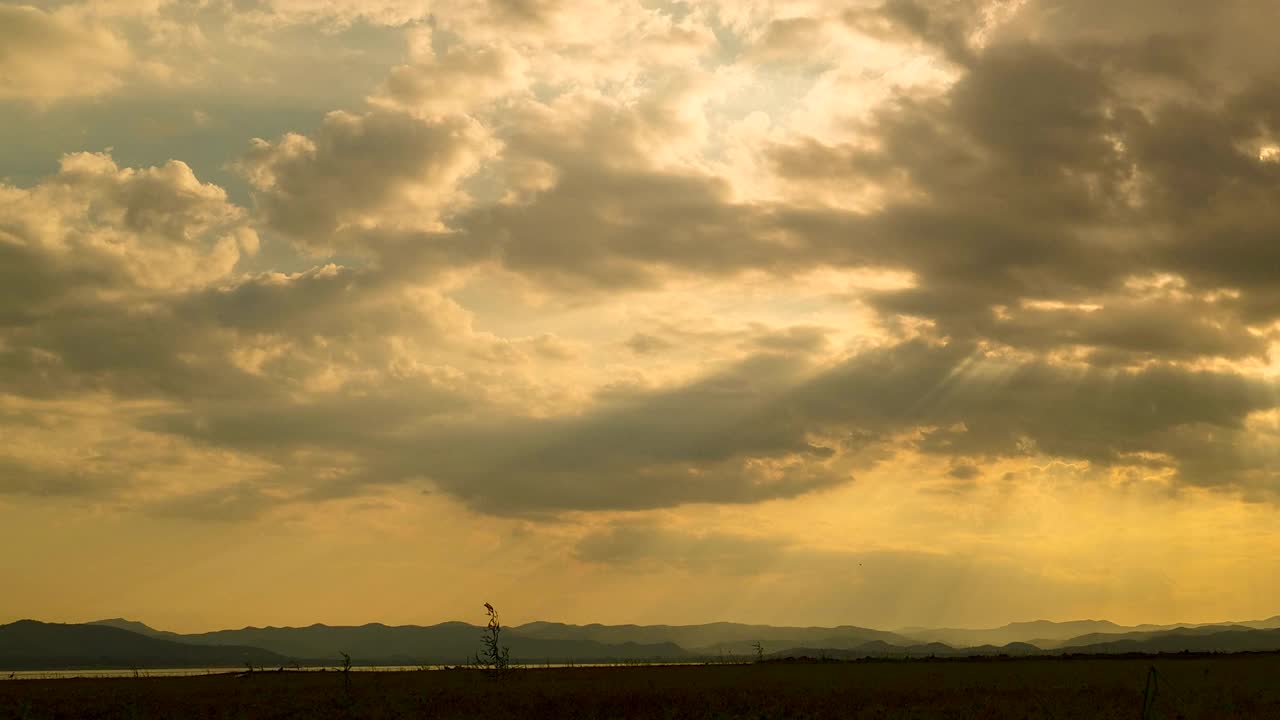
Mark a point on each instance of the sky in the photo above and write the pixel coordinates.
(947, 313)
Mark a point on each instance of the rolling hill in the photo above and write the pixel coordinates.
(121, 643)
(1240, 639)
(714, 639)
(32, 645)
(445, 643)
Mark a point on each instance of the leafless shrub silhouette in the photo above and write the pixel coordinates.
(346, 672)
(495, 657)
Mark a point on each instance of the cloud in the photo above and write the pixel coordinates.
(774, 425)
(49, 56)
(948, 26)
(460, 80)
(95, 256)
(1049, 208)
(711, 441)
(96, 227)
(637, 215)
(964, 402)
(1048, 182)
(1226, 39)
(337, 12)
(383, 168)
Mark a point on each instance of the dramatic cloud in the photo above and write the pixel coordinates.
(883, 285)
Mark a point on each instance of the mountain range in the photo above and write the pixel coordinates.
(31, 645)
(120, 643)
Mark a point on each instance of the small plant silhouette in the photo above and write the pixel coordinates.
(1149, 693)
(346, 672)
(495, 657)
(759, 651)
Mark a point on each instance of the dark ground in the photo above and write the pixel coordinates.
(1224, 686)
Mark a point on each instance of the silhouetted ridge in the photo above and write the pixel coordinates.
(118, 642)
(33, 645)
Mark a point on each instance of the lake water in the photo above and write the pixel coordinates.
(183, 672)
(193, 672)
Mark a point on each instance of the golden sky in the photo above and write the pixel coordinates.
(956, 312)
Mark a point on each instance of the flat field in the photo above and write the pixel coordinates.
(1223, 686)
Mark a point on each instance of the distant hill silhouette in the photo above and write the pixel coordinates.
(121, 643)
(713, 639)
(1201, 639)
(1271, 623)
(1047, 634)
(1178, 630)
(1239, 639)
(881, 649)
(32, 645)
(1036, 631)
(445, 643)
(139, 628)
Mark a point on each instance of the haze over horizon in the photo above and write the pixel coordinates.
(888, 313)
